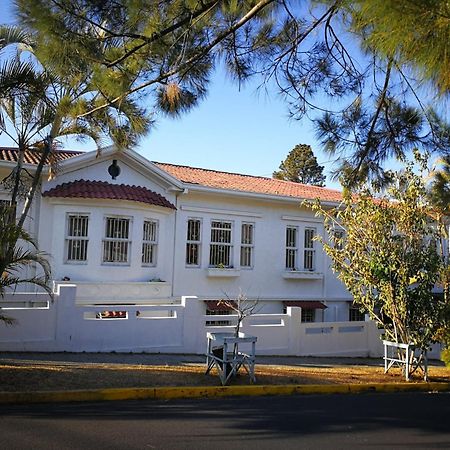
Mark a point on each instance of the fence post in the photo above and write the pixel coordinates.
(294, 318)
(65, 316)
(194, 334)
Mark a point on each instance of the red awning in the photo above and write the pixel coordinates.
(305, 304)
(217, 305)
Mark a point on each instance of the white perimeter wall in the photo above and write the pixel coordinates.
(171, 328)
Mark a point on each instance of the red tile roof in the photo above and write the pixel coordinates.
(32, 157)
(249, 183)
(105, 190)
(213, 178)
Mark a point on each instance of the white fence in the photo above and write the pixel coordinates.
(66, 325)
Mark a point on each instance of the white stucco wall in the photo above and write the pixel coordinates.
(265, 280)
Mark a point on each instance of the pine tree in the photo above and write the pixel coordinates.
(300, 166)
(370, 58)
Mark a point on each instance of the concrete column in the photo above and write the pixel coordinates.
(194, 334)
(293, 320)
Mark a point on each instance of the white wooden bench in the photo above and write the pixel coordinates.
(407, 356)
(224, 354)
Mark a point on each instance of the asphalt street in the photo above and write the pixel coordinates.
(376, 421)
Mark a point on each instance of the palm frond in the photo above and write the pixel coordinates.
(15, 74)
(11, 34)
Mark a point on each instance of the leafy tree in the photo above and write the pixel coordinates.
(391, 258)
(300, 166)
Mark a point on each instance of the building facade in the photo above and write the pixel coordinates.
(115, 218)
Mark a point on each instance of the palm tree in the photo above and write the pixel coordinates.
(17, 252)
(48, 107)
(36, 108)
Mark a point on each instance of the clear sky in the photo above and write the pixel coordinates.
(234, 130)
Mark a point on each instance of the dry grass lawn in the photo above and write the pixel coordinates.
(32, 376)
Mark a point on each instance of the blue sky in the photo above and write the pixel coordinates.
(244, 131)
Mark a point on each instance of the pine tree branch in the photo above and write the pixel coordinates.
(187, 65)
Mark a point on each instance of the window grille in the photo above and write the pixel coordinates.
(338, 239)
(77, 237)
(149, 242)
(220, 248)
(218, 323)
(308, 315)
(193, 241)
(355, 315)
(309, 252)
(247, 245)
(116, 243)
(291, 248)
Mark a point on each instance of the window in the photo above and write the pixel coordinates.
(218, 323)
(77, 239)
(149, 242)
(308, 315)
(291, 248)
(309, 262)
(355, 315)
(247, 245)
(116, 243)
(220, 250)
(338, 239)
(193, 242)
(111, 315)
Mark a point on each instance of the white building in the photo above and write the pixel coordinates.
(203, 232)
(128, 232)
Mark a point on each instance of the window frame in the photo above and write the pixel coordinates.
(72, 238)
(193, 243)
(291, 251)
(152, 243)
(215, 245)
(338, 238)
(309, 252)
(128, 241)
(247, 246)
(355, 314)
(308, 315)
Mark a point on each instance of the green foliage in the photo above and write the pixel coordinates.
(391, 258)
(18, 251)
(368, 58)
(416, 32)
(440, 186)
(45, 105)
(300, 166)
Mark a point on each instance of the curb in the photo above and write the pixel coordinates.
(166, 393)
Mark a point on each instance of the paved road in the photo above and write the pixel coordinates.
(376, 421)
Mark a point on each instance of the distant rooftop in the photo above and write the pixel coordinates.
(32, 157)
